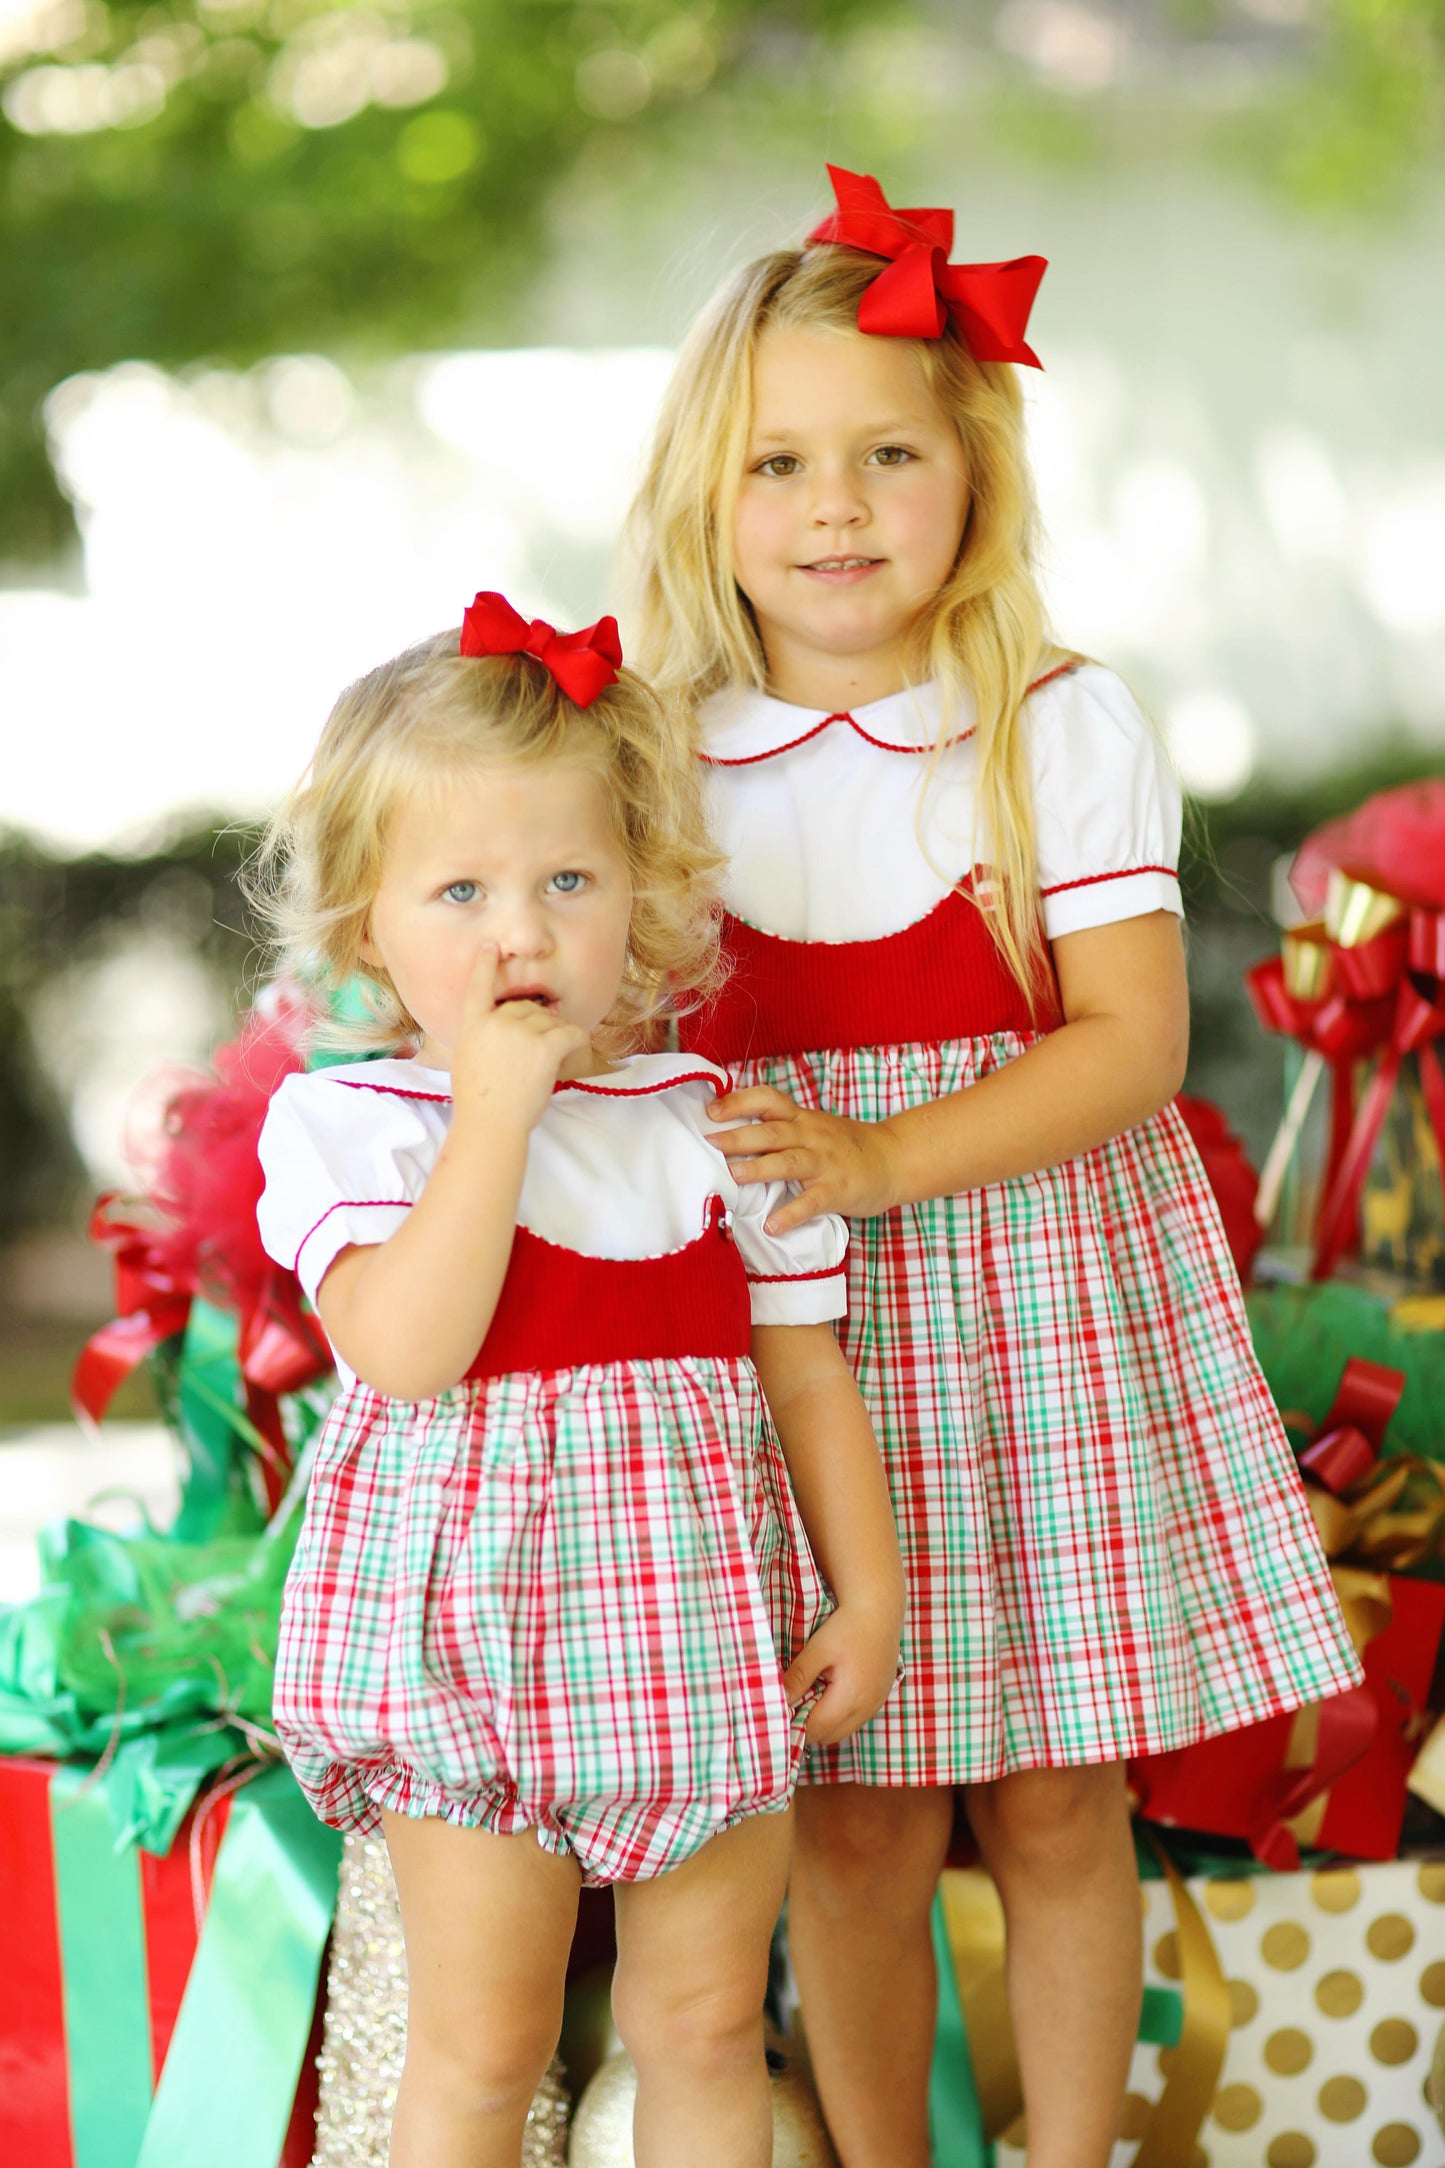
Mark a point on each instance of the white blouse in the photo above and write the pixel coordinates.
(620, 1166)
(841, 828)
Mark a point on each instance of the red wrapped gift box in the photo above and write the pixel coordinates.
(99, 1947)
(1247, 1783)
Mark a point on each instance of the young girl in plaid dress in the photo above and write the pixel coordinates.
(957, 1011)
(553, 1610)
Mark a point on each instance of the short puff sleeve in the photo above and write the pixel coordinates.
(795, 1278)
(1107, 806)
(343, 1165)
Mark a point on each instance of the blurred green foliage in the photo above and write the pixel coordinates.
(57, 913)
(189, 179)
(234, 178)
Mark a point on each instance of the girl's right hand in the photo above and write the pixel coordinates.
(508, 1054)
(853, 1659)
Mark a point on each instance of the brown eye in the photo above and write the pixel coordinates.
(780, 466)
(892, 455)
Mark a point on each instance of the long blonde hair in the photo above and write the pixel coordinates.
(981, 637)
(429, 713)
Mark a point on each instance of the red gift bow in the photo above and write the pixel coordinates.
(1387, 997)
(581, 664)
(914, 298)
(196, 1234)
(1351, 1437)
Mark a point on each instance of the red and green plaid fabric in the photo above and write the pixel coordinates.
(560, 1600)
(1107, 1548)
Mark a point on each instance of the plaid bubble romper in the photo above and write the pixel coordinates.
(560, 1596)
(1107, 1548)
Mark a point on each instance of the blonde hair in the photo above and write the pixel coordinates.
(982, 635)
(428, 714)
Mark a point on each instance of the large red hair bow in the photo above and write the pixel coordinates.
(582, 664)
(920, 290)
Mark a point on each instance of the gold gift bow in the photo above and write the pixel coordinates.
(973, 1917)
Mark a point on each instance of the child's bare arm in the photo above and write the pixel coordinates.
(1118, 1057)
(838, 1480)
(409, 1314)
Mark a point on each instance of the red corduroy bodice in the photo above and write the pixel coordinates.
(941, 978)
(559, 1309)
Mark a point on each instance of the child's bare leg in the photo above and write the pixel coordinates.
(488, 1923)
(692, 1971)
(1057, 1843)
(865, 1867)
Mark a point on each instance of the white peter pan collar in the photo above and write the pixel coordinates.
(638, 1075)
(741, 725)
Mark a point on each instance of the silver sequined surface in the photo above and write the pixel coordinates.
(365, 2038)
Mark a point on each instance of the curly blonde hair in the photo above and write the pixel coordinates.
(982, 637)
(431, 712)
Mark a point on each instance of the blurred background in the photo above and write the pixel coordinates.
(316, 317)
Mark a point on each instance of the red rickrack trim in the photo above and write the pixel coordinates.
(392, 1091)
(1125, 873)
(717, 1077)
(788, 1279)
(1059, 670)
(750, 760)
(350, 1204)
(884, 745)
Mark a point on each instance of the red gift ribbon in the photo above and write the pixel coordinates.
(1352, 1435)
(1418, 1020)
(921, 290)
(1387, 997)
(154, 1304)
(197, 1235)
(280, 1347)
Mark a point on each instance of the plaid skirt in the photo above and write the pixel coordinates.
(1107, 1547)
(561, 1601)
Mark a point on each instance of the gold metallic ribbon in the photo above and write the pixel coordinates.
(974, 1919)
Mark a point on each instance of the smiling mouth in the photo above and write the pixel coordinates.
(841, 564)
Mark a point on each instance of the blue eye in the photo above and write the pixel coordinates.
(460, 892)
(568, 884)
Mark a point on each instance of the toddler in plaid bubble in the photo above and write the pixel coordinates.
(957, 1013)
(554, 1614)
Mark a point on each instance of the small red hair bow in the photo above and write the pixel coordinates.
(921, 289)
(582, 664)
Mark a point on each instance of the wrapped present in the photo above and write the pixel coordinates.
(148, 2004)
(1287, 2019)
(1364, 980)
(165, 1891)
(1334, 1987)
(1334, 1776)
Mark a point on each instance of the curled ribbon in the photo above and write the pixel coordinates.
(581, 664)
(921, 290)
(1366, 980)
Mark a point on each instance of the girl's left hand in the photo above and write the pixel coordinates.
(841, 1165)
(853, 1657)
